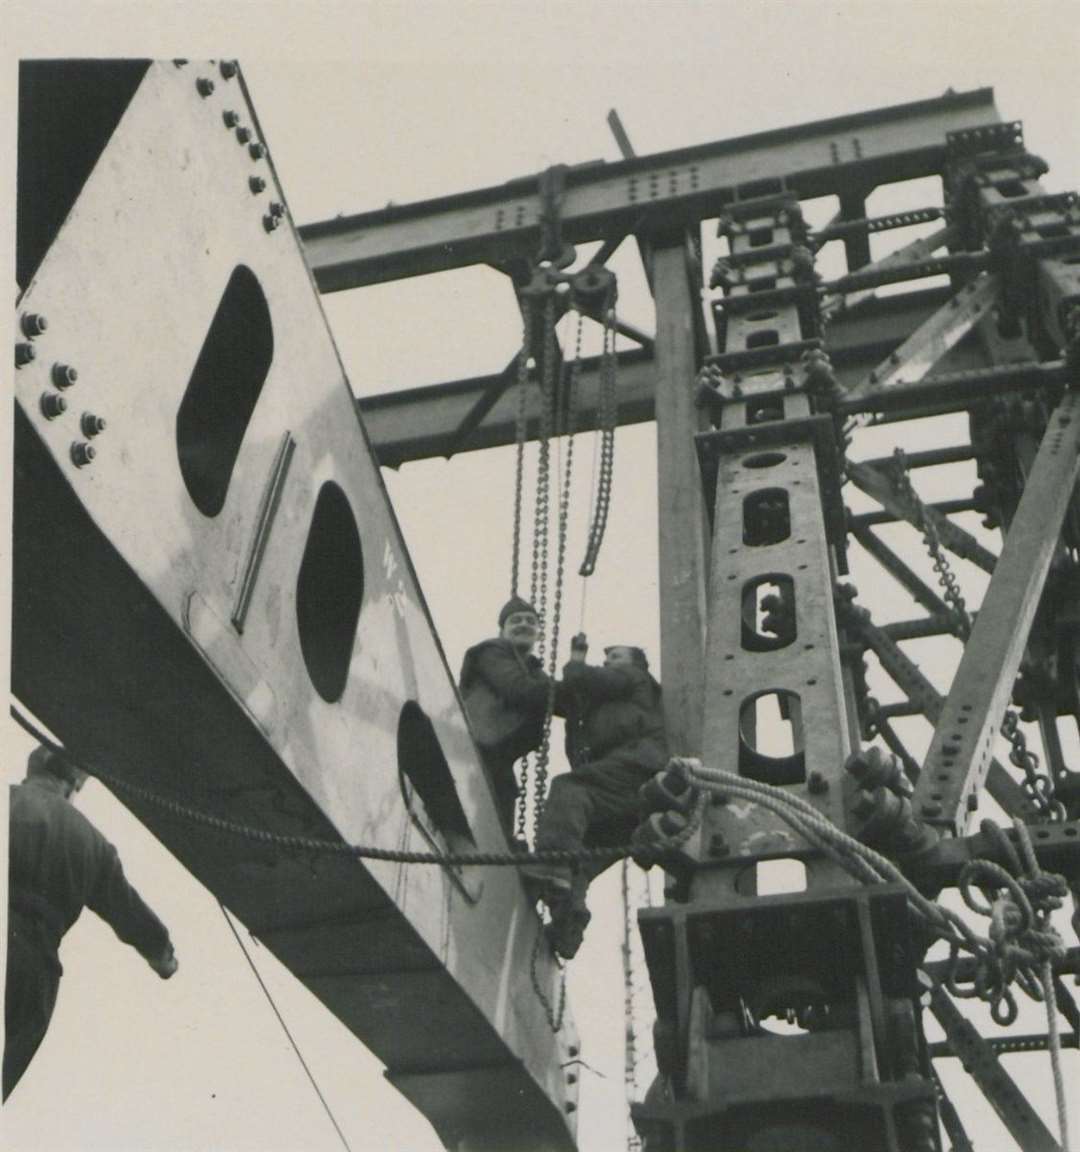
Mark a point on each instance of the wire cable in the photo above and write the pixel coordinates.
(285, 1027)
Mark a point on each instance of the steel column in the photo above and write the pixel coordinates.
(682, 522)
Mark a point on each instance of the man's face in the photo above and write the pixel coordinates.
(522, 629)
(618, 657)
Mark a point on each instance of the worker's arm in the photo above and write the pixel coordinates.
(600, 683)
(510, 678)
(124, 910)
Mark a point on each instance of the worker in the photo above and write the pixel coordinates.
(60, 863)
(505, 691)
(615, 742)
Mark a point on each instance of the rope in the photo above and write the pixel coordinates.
(182, 810)
(1022, 943)
(285, 1028)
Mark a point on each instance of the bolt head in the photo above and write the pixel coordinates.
(33, 324)
(204, 86)
(243, 134)
(271, 222)
(230, 118)
(52, 405)
(817, 784)
(24, 354)
(257, 184)
(64, 375)
(228, 69)
(257, 150)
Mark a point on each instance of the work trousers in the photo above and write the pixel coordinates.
(500, 771)
(595, 806)
(33, 979)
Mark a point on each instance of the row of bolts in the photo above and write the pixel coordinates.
(53, 404)
(34, 324)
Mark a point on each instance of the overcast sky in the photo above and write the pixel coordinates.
(361, 105)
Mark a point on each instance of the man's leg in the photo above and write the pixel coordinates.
(29, 999)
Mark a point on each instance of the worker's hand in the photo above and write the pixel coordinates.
(579, 648)
(165, 964)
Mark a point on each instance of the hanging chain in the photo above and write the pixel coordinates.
(633, 1141)
(521, 431)
(607, 416)
(1037, 786)
(568, 425)
(554, 1013)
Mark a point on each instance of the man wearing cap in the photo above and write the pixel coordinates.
(505, 692)
(60, 863)
(615, 742)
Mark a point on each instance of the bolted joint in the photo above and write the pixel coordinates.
(64, 375)
(243, 134)
(82, 454)
(24, 354)
(257, 184)
(52, 405)
(230, 118)
(33, 324)
(91, 425)
(204, 86)
(256, 150)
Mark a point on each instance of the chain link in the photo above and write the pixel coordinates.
(521, 433)
(607, 416)
(556, 1012)
(1037, 786)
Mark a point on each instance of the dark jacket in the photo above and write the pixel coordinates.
(613, 708)
(505, 694)
(60, 863)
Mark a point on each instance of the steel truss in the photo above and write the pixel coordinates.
(755, 536)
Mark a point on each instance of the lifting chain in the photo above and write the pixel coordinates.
(1037, 786)
(553, 1012)
(565, 423)
(607, 417)
(633, 1141)
(521, 432)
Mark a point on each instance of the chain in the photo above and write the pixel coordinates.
(568, 425)
(521, 432)
(607, 415)
(1037, 786)
(554, 1013)
(633, 1141)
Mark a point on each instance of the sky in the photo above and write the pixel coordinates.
(363, 104)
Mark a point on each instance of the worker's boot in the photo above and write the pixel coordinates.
(547, 882)
(569, 920)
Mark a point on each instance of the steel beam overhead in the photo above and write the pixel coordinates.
(960, 752)
(673, 189)
(422, 423)
(918, 354)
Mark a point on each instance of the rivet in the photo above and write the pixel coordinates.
(52, 405)
(816, 783)
(573, 1050)
(271, 222)
(257, 150)
(227, 69)
(64, 375)
(82, 454)
(204, 86)
(33, 324)
(257, 184)
(277, 208)
(24, 354)
(231, 118)
(91, 425)
(570, 1106)
(243, 134)
(571, 1077)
